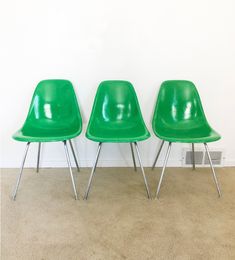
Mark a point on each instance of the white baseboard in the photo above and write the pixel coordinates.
(101, 163)
(230, 163)
(89, 163)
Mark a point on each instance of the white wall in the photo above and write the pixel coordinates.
(144, 42)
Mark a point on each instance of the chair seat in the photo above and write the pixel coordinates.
(118, 132)
(201, 134)
(46, 135)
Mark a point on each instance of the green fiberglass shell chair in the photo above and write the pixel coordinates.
(53, 116)
(116, 118)
(179, 117)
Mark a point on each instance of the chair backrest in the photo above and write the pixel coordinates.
(179, 103)
(115, 101)
(54, 105)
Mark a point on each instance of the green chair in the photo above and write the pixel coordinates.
(179, 117)
(116, 118)
(53, 116)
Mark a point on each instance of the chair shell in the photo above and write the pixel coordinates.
(116, 114)
(179, 115)
(53, 115)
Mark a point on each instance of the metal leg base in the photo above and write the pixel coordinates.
(213, 171)
(74, 155)
(163, 169)
(193, 156)
(70, 170)
(159, 151)
(38, 159)
(133, 157)
(21, 171)
(142, 169)
(92, 172)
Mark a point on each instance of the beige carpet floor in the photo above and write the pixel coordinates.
(118, 221)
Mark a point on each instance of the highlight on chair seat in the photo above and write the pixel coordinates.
(116, 118)
(179, 117)
(53, 116)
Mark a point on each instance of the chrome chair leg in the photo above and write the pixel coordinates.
(213, 171)
(133, 157)
(39, 153)
(142, 169)
(159, 151)
(92, 172)
(70, 169)
(163, 169)
(21, 171)
(74, 155)
(193, 156)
